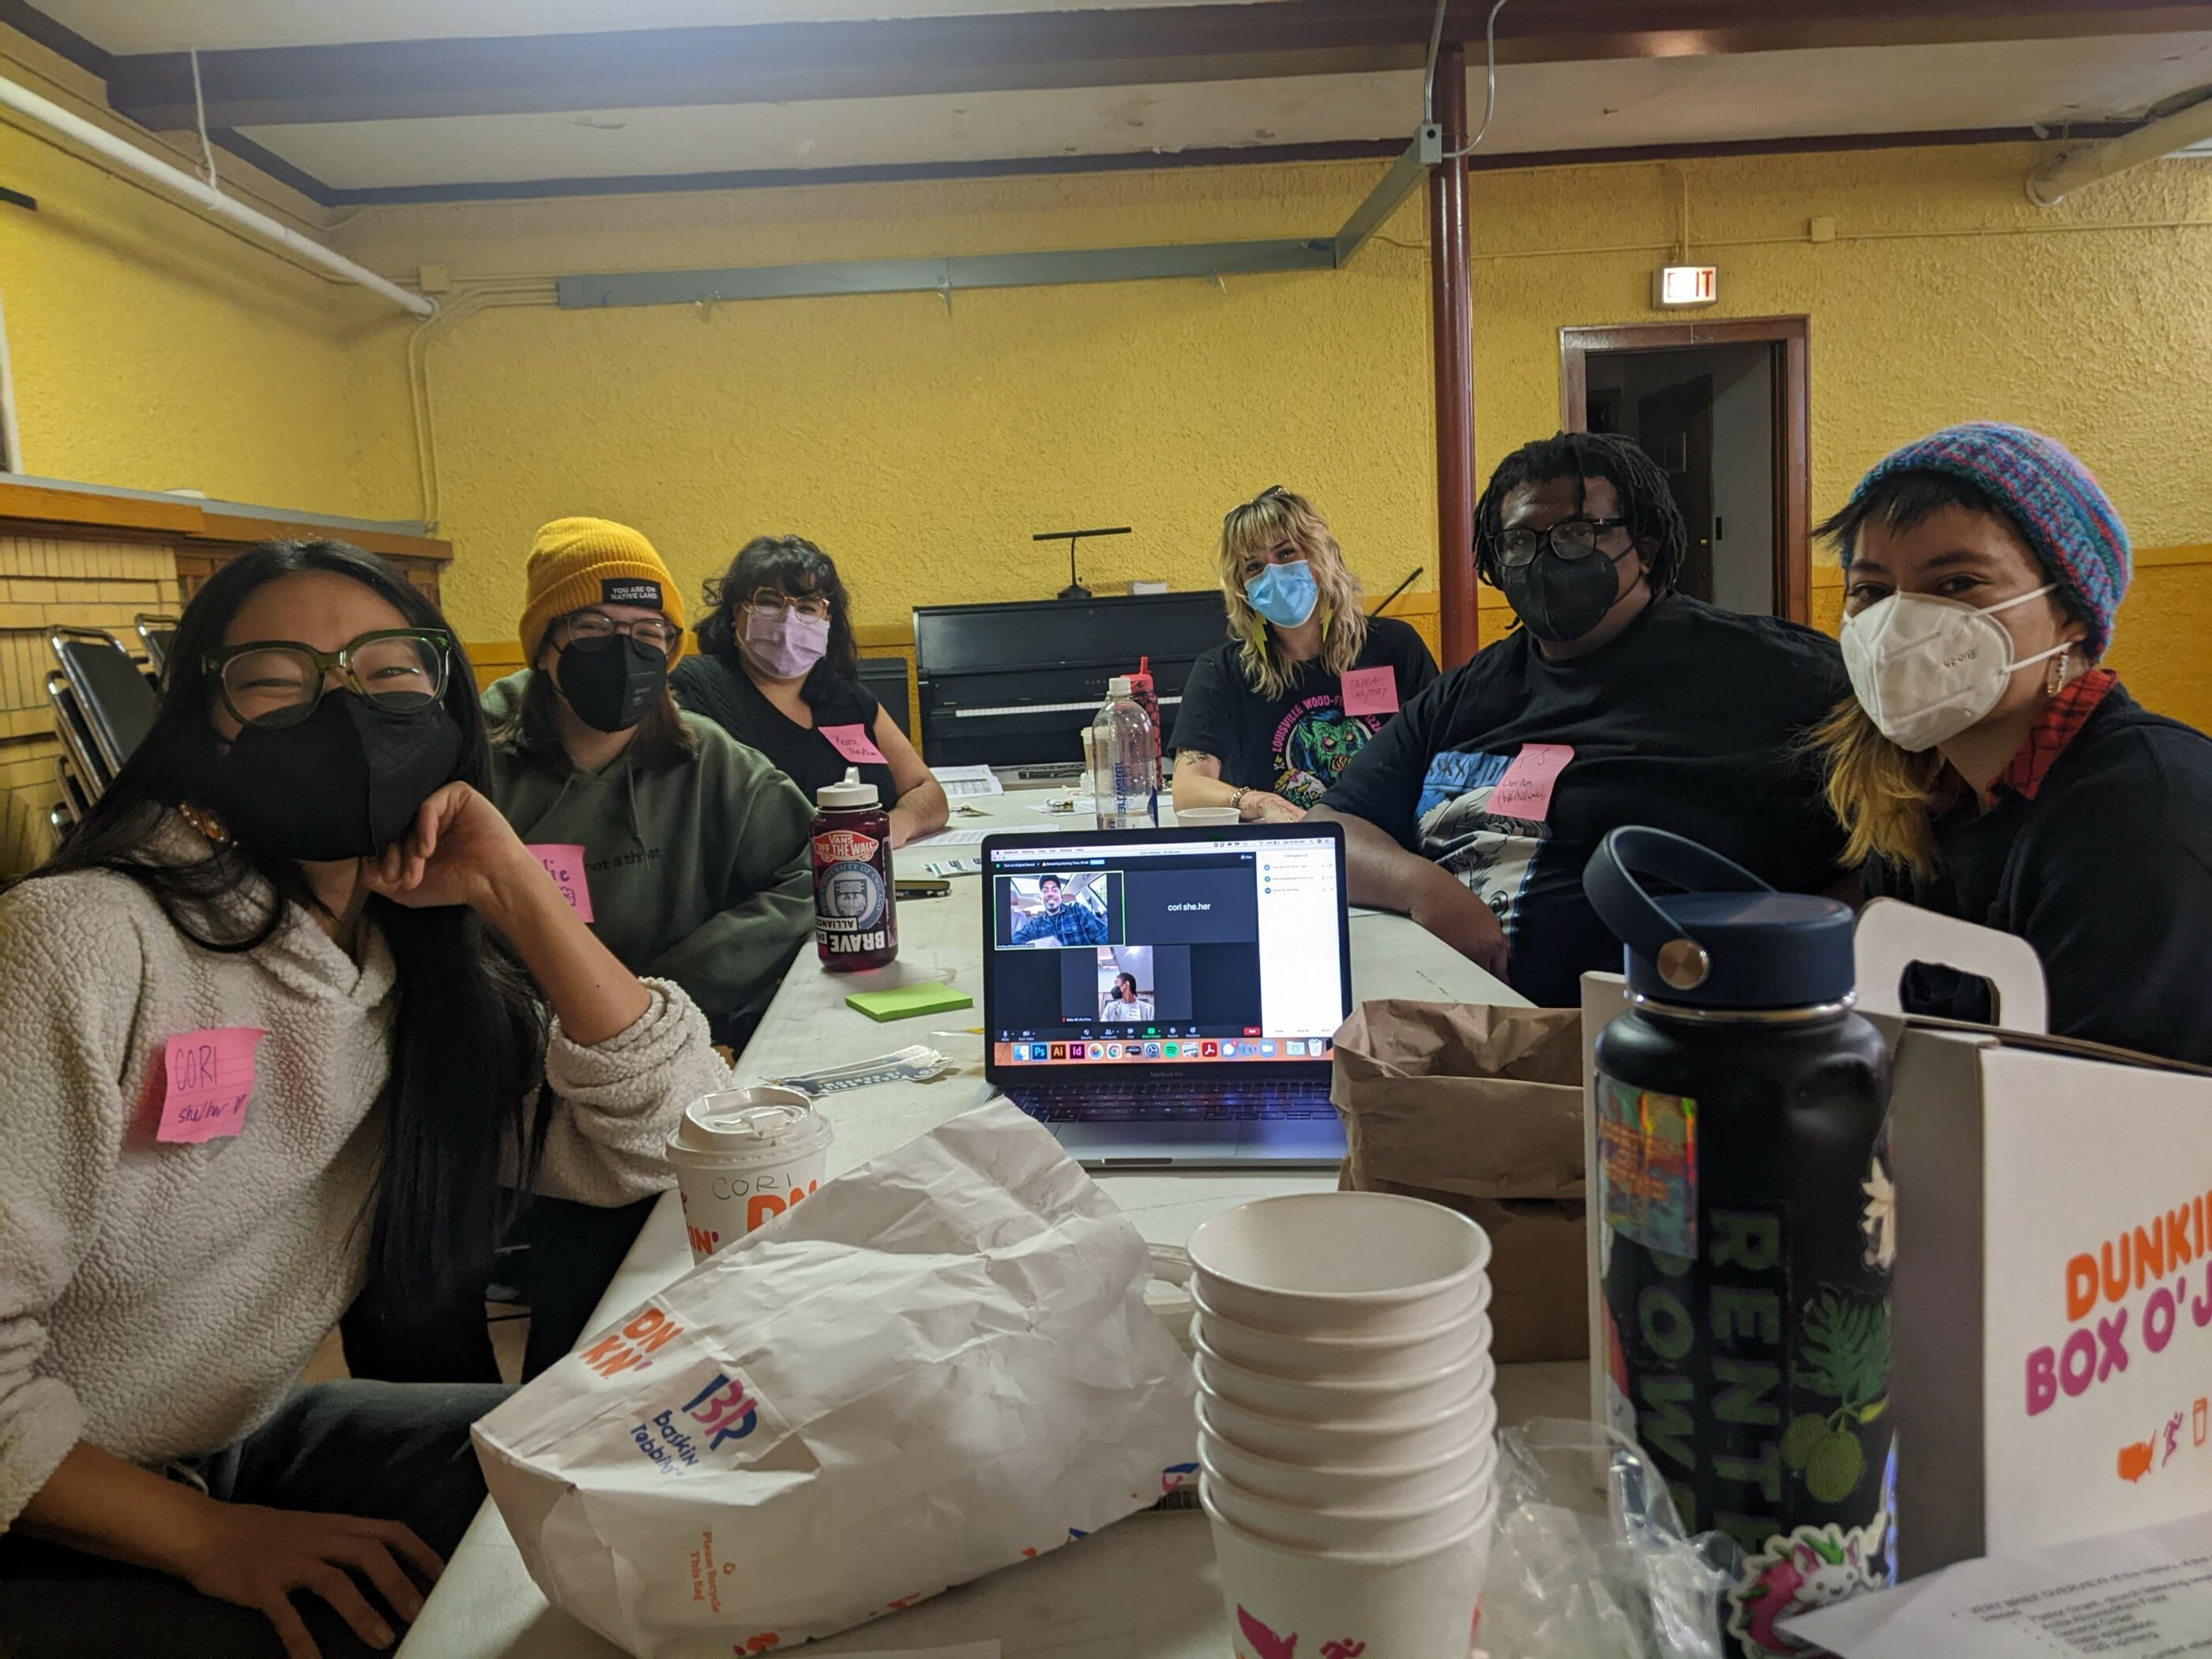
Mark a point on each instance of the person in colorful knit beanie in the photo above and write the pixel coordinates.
(1988, 767)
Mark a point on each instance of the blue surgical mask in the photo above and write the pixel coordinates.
(1284, 594)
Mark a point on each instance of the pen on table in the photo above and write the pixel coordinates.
(970, 1030)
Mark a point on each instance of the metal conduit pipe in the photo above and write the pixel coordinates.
(2051, 184)
(98, 139)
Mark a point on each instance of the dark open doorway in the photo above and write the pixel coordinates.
(1722, 407)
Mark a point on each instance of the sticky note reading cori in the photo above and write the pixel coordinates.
(208, 1078)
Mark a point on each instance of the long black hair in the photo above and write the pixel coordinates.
(1646, 499)
(468, 1043)
(790, 565)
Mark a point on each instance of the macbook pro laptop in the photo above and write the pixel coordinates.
(1167, 999)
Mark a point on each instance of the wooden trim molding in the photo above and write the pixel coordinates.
(47, 503)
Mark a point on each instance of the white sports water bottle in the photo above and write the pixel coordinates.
(1125, 777)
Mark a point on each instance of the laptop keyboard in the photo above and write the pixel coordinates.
(1169, 1103)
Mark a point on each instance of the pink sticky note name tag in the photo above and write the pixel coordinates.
(1370, 691)
(1525, 791)
(564, 862)
(208, 1076)
(853, 743)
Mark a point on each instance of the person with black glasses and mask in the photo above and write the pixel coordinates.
(694, 854)
(286, 1015)
(1617, 701)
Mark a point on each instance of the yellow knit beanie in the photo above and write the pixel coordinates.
(578, 563)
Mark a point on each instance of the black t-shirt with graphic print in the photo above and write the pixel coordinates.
(1690, 721)
(1296, 745)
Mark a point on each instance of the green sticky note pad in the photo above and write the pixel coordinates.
(905, 1001)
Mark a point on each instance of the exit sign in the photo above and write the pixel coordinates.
(1684, 285)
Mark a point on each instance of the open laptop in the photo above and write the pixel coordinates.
(1166, 998)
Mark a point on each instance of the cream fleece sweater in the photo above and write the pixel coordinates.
(159, 1300)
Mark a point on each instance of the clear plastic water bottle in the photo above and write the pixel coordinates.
(1125, 777)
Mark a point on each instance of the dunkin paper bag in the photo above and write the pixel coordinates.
(1480, 1109)
(940, 1364)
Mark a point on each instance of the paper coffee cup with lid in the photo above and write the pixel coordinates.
(742, 1157)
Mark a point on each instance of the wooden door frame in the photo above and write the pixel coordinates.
(1793, 419)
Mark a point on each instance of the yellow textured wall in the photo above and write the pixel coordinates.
(154, 350)
(922, 443)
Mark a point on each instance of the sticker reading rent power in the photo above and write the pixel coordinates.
(207, 1079)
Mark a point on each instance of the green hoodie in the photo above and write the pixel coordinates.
(700, 874)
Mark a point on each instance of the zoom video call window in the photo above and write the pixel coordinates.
(1186, 951)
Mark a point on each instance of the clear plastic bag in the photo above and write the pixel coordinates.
(1589, 1561)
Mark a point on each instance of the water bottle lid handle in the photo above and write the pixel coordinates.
(1609, 881)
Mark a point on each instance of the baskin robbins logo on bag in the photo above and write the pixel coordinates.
(725, 1410)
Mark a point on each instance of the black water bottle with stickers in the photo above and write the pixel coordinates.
(1748, 1237)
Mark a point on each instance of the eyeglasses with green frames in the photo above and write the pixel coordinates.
(280, 682)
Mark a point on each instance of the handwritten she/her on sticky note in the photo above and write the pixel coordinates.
(564, 862)
(855, 743)
(208, 1078)
(1525, 791)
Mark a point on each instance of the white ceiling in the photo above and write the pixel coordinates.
(1611, 104)
(143, 26)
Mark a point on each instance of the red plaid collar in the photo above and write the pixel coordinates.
(2055, 728)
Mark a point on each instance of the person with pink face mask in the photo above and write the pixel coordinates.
(778, 671)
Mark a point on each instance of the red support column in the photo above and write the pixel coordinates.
(1452, 332)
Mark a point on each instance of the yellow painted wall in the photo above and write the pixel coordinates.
(154, 350)
(922, 442)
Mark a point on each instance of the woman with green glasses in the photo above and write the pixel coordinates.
(288, 1017)
(778, 671)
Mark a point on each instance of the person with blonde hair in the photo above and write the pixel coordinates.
(1266, 722)
(1987, 766)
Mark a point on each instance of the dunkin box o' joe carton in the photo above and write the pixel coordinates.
(2052, 1203)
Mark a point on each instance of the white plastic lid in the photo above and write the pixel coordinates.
(846, 795)
(1118, 686)
(745, 1127)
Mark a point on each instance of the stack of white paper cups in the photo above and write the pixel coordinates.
(1346, 1432)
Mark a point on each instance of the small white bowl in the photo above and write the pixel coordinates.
(1301, 1526)
(1338, 1263)
(1351, 1485)
(1368, 1446)
(1322, 1358)
(1377, 1401)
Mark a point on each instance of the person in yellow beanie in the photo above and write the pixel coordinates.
(686, 851)
(695, 863)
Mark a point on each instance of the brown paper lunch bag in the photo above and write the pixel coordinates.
(1480, 1109)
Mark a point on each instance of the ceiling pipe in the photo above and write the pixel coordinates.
(2052, 182)
(178, 182)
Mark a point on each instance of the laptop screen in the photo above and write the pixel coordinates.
(1202, 947)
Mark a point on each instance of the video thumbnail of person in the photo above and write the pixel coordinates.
(1128, 985)
(1055, 912)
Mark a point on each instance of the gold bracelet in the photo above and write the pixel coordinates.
(1236, 798)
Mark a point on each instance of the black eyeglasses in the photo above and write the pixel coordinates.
(279, 682)
(1570, 539)
(594, 628)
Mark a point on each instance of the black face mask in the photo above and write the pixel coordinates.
(1561, 599)
(346, 782)
(610, 683)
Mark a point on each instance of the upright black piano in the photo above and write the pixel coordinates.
(1015, 684)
